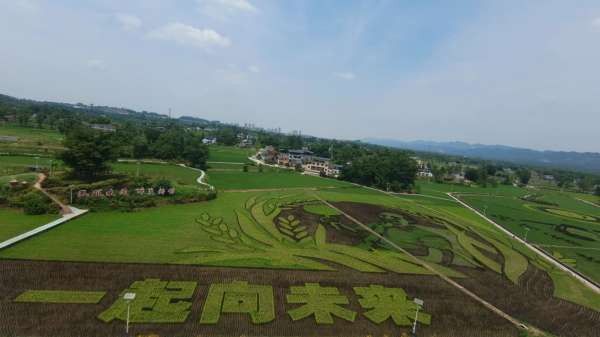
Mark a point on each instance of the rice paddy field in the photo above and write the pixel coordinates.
(228, 154)
(441, 190)
(172, 172)
(569, 229)
(226, 180)
(325, 258)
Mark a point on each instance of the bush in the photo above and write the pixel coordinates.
(245, 167)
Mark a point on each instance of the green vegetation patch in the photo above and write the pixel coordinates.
(14, 223)
(388, 303)
(155, 301)
(49, 296)
(226, 180)
(322, 302)
(239, 298)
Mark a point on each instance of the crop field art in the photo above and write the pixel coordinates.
(330, 262)
(569, 231)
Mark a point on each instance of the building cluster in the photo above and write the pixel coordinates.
(296, 133)
(310, 163)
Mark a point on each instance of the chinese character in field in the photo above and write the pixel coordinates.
(151, 191)
(110, 193)
(239, 298)
(320, 301)
(171, 190)
(161, 191)
(140, 191)
(123, 192)
(83, 193)
(155, 301)
(96, 193)
(389, 302)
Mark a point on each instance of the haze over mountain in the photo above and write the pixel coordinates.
(520, 73)
(586, 161)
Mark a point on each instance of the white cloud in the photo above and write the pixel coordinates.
(95, 64)
(187, 35)
(596, 22)
(128, 22)
(346, 76)
(254, 69)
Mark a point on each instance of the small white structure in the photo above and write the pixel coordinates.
(209, 140)
(424, 173)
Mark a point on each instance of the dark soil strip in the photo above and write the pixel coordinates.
(532, 301)
(453, 312)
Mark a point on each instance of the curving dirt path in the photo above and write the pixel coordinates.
(63, 209)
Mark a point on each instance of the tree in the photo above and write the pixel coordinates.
(472, 174)
(39, 119)
(585, 183)
(88, 152)
(597, 192)
(23, 118)
(524, 176)
(245, 168)
(69, 124)
(196, 153)
(260, 167)
(100, 120)
(491, 169)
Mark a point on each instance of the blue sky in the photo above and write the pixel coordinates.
(518, 73)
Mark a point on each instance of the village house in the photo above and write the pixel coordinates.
(458, 175)
(293, 157)
(548, 177)
(424, 173)
(247, 143)
(209, 140)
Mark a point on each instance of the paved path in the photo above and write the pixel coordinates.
(423, 195)
(202, 174)
(64, 210)
(74, 213)
(540, 252)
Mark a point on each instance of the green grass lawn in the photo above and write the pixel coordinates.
(587, 197)
(440, 190)
(240, 167)
(25, 161)
(30, 178)
(228, 154)
(173, 172)
(268, 180)
(15, 223)
(546, 228)
(148, 236)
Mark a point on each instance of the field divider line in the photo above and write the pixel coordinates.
(582, 278)
(444, 277)
(423, 195)
(590, 248)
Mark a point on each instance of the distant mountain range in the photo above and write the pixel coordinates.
(586, 161)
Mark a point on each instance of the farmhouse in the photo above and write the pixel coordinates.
(246, 143)
(101, 127)
(294, 157)
(548, 177)
(209, 140)
(458, 175)
(424, 173)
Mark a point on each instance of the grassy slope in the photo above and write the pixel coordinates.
(31, 178)
(511, 214)
(149, 236)
(584, 196)
(172, 172)
(440, 190)
(15, 223)
(227, 154)
(267, 180)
